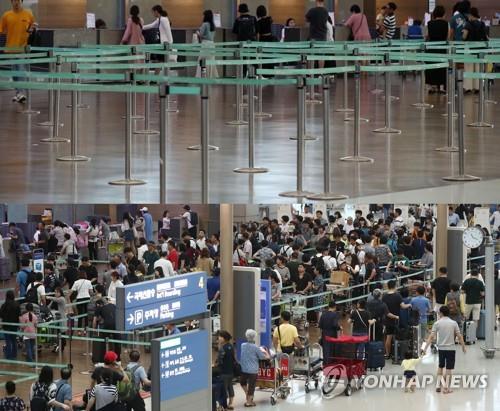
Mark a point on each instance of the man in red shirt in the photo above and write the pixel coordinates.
(173, 255)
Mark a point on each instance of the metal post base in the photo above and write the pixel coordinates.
(488, 353)
(251, 170)
(169, 110)
(314, 101)
(307, 137)
(30, 112)
(295, 194)
(357, 159)
(127, 182)
(73, 158)
(327, 197)
(80, 106)
(49, 124)
(465, 177)
(345, 110)
(263, 115)
(480, 124)
(447, 149)
(365, 120)
(387, 130)
(237, 123)
(423, 105)
(54, 140)
(146, 132)
(455, 115)
(376, 91)
(490, 102)
(198, 148)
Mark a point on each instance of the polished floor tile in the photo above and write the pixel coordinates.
(29, 171)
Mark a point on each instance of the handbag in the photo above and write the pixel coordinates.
(74, 293)
(152, 36)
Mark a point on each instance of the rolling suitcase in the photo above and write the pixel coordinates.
(470, 332)
(375, 352)
(4, 269)
(481, 326)
(98, 349)
(399, 351)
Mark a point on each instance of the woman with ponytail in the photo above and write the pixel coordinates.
(30, 320)
(133, 33)
(162, 24)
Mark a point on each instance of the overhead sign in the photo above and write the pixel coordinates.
(38, 257)
(180, 366)
(161, 301)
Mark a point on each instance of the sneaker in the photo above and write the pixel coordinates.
(21, 98)
(15, 99)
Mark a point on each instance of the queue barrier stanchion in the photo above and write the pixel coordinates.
(128, 180)
(450, 84)
(239, 95)
(345, 102)
(481, 123)
(387, 129)
(312, 89)
(29, 110)
(461, 176)
(301, 114)
(203, 71)
(134, 115)
(451, 92)
(377, 90)
(205, 135)
(50, 121)
(260, 112)
(147, 106)
(57, 110)
(74, 156)
(251, 169)
(422, 104)
(164, 92)
(327, 194)
(80, 104)
(348, 118)
(356, 157)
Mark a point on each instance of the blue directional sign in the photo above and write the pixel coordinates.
(181, 364)
(160, 301)
(265, 313)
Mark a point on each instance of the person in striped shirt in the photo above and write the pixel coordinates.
(390, 21)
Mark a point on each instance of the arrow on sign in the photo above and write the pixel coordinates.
(129, 297)
(130, 319)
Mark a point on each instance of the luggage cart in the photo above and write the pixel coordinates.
(274, 376)
(298, 309)
(308, 364)
(348, 365)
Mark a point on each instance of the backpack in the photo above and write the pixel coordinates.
(39, 402)
(127, 391)
(193, 218)
(30, 277)
(284, 249)
(32, 294)
(246, 29)
(51, 282)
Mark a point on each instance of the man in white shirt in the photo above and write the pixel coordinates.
(453, 218)
(349, 226)
(398, 219)
(495, 219)
(215, 243)
(411, 218)
(201, 242)
(142, 249)
(307, 213)
(187, 237)
(247, 246)
(330, 262)
(167, 267)
(187, 220)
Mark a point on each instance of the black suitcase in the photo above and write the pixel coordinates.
(4, 269)
(98, 350)
(399, 350)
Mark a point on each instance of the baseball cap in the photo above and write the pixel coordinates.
(110, 357)
(144, 209)
(358, 241)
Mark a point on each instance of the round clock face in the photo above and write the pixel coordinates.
(473, 237)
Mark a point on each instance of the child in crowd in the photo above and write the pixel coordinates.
(11, 402)
(408, 365)
(30, 320)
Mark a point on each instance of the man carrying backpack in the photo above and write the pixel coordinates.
(138, 378)
(245, 25)
(35, 292)
(24, 277)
